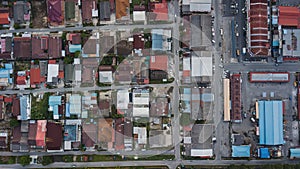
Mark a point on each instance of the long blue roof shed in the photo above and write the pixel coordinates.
(270, 122)
(241, 151)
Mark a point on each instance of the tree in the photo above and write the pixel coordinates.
(13, 123)
(24, 160)
(47, 160)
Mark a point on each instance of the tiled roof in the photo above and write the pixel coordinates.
(54, 136)
(22, 47)
(159, 62)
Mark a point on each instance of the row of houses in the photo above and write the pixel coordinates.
(72, 12)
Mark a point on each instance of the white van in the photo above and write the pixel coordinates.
(221, 31)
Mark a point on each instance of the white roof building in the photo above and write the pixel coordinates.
(105, 76)
(139, 16)
(52, 72)
(142, 134)
(201, 66)
(201, 152)
(140, 99)
(75, 104)
(122, 99)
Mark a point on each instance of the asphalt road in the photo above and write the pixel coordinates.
(175, 100)
(79, 28)
(81, 89)
(248, 67)
(170, 164)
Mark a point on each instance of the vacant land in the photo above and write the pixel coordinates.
(39, 14)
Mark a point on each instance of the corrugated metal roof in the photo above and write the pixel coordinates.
(270, 122)
(295, 153)
(241, 151)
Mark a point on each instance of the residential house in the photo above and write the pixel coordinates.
(128, 134)
(159, 11)
(122, 9)
(21, 12)
(89, 104)
(105, 10)
(55, 47)
(16, 138)
(122, 99)
(22, 48)
(72, 134)
(54, 103)
(140, 134)
(4, 16)
(89, 136)
(5, 75)
(139, 13)
(6, 46)
(73, 105)
(140, 99)
(124, 72)
(160, 107)
(119, 131)
(37, 134)
(25, 108)
(16, 107)
(4, 139)
(54, 136)
(89, 10)
(52, 75)
(35, 76)
(55, 13)
(105, 74)
(39, 47)
(158, 67)
(160, 138)
(161, 39)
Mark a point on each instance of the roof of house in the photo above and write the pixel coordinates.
(138, 42)
(16, 107)
(295, 153)
(105, 130)
(289, 16)
(20, 9)
(55, 47)
(16, 135)
(241, 151)
(54, 10)
(105, 10)
(21, 80)
(87, 7)
(35, 76)
(32, 134)
(89, 134)
(69, 10)
(119, 129)
(75, 38)
(160, 11)
(270, 122)
(121, 8)
(103, 104)
(128, 126)
(159, 107)
(69, 72)
(41, 133)
(39, 45)
(159, 62)
(4, 16)
(54, 136)
(22, 47)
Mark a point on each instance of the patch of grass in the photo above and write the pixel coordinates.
(39, 110)
(185, 119)
(95, 158)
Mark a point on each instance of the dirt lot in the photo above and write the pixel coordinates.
(39, 14)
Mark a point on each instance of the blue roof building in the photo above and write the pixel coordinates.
(295, 153)
(157, 39)
(54, 102)
(25, 108)
(241, 151)
(5, 74)
(264, 153)
(270, 122)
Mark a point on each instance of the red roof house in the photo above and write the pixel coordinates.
(160, 11)
(35, 76)
(4, 18)
(21, 80)
(289, 16)
(159, 62)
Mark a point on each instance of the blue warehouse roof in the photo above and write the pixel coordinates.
(241, 151)
(270, 122)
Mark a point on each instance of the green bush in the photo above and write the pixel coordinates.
(24, 160)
